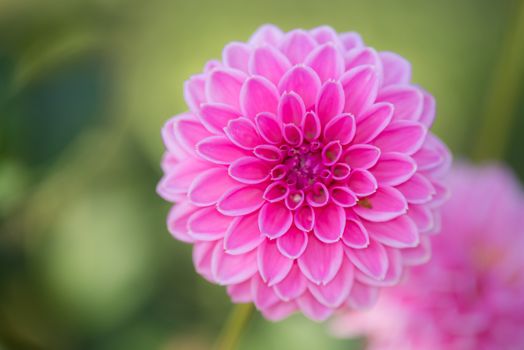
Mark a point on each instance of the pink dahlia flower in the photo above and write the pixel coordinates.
(304, 173)
(471, 296)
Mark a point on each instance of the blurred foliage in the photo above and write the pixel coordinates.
(85, 86)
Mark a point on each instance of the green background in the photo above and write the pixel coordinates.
(85, 259)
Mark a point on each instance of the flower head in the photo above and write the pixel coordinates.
(304, 172)
(471, 295)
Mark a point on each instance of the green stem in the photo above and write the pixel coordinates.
(502, 98)
(236, 323)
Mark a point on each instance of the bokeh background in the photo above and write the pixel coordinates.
(85, 85)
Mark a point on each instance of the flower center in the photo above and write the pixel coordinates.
(304, 165)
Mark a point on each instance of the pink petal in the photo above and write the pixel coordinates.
(189, 132)
(275, 192)
(258, 95)
(428, 158)
(397, 233)
(232, 269)
(209, 186)
(361, 156)
(362, 296)
(397, 70)
(351, 40)
(302, 80)
(169, 161)
(394, 168)
(355, 234)
(327, 61)
(171, 142)
(293, 135)
(268, 153)
(362, 183)
(202, 255)
(331, 153)
(442, 193)
(243, 133)
(342, 196)
(241, 201)
(296, 45)
(279, 311)
(311, 126)
(341, 128)
(272, 265)
(402, 136)
(219, 150)
(215, 116)
(428, 110)
(318, 195)
(223, 85)
(180, 177)
(312, 308)
(177, 221)
(393, 274)
(360, 86)
(291, 108)
(334, 293)
(241, 292)
(207, 224)
(305, 218)
(292, 286)
(340, 171)
(274, 219)
(373, 260)
(371, 124)
(268, 62)
(212, 65)
(269, 127)
(408, 101)
(194, 92)
(278, 172)
(294, 199)
(385, 204)
(325, 34)
(267, 34)
(330, 223)
(364, 56)
(418, 189)
(418, 255)
(236, 55)
(422, 216)
(243, 235)
(263, 296)
(249, 170)
(320, 261)
(293, 243)
(330, 101)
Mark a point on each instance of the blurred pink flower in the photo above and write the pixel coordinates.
(304, 172)
(471, 296)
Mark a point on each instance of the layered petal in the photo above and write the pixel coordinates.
(243, 235)
(229, 269)
(372, 260)
(329, 223)
(272, 265)
(385, 204)
(334, 293)
(302, 80)
(321, 261)
(258, 95)
(360, 86)
(293, 243)
(274, 219)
